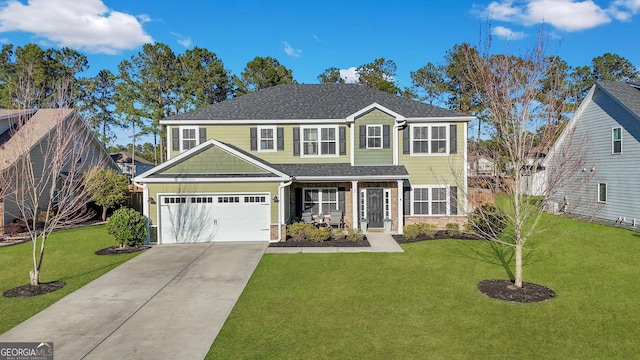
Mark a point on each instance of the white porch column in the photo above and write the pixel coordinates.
(355, 194)
(400, 206)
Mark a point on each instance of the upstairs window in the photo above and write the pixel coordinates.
(267, 138)
(616, 141)
(189, 139)
(374, 136)
(320, 141)
(429, 139)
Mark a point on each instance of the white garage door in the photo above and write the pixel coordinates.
(214, 217)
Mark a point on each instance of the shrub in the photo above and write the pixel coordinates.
(487, 220)
(128, 226)
(300, 231)
(320, 234)
(338, 234)
(355, 235)
(452, 226)
(412, 231)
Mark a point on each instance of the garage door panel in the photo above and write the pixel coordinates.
(213, 218)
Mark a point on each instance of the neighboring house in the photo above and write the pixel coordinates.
(606, 127)
(481, 165)
(126, 163)
(244, 168)
(23, 131)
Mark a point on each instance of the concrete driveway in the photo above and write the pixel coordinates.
(167, 303)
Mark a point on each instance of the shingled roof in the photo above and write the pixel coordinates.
(628, 94)
(311, 101)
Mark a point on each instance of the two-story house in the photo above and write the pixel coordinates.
(604, 134)
(244, 168)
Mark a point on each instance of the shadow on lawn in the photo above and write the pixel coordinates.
(497, 254)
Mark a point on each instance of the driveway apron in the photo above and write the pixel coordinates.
(167, 303)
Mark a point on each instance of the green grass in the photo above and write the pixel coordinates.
(424, 303)
(69, 256)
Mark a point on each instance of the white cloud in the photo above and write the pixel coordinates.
(567, 15)
(144, 18)
(349, 75)
(183, 40)
(316, 38)
(87, 25)
(623, 10)
(507, 33)
(289, 50)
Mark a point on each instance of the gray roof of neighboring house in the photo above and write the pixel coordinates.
(341, 170)
(125, 158)
(311, 101)
(36, 124)
(627, 94)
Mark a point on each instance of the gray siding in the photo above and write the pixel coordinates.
(620, 172)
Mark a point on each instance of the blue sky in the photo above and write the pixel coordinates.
(310, 36)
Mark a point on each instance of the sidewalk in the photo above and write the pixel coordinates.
(380, 242)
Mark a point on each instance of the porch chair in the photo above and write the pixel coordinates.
(307, 218)
(335, 219)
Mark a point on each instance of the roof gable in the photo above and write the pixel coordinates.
(312, 102)
(213, 160)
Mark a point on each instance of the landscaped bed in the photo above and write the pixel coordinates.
(425, 302)
(308, 235)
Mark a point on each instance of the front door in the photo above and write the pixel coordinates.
(375, 208)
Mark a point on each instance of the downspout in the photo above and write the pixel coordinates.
(396, 128)
(281, 208)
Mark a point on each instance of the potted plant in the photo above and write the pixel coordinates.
(364, 223)
(387, 225)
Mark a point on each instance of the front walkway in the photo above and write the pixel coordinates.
(167, 303)
(380, 242)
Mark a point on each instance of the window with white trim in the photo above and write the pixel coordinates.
(429, 139)
(430, 200)
(267, 138)
(319, 141)
(374, 136)
(616, 140)
(602, 192)
(320, 200)
(188, 138)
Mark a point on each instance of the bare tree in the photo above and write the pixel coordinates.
(49, 152)
(511, 87)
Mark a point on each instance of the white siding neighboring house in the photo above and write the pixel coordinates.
(606, 186)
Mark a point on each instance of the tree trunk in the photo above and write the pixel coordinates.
(35, 277)
(518, 274)
(104, 213)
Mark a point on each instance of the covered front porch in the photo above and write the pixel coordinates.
(367, 197)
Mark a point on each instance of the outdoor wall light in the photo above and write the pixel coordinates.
(275, 199)
(151, 200)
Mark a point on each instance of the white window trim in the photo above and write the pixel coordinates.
(386, 202)
(430, 201)
(274, 138)
(320, 201)
(319, 141)
(613, 140)
(181, 138)
(367, 137)
(430, 127)
(606, 193)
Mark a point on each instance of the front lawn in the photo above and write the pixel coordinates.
(424, 303)
(69, 257)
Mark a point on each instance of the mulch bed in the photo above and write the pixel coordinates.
(117, 250)
(10, 241)
(505, 290)
(438, 235)
(328, 243)
(26, 291)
